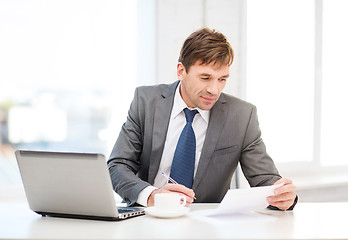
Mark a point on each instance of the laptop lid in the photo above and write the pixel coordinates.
(69, 185)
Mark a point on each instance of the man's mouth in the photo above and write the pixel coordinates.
(208, 99)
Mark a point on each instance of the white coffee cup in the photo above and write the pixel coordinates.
(169, 201)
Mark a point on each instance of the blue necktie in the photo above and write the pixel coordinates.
(185, 153)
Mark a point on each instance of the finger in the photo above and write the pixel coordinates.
(285, 189)
(179, 189)
(283, 180)
(189, 199)
(173, 188)
(188, 202)
(289, 196)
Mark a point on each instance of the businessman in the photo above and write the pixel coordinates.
(191, 131)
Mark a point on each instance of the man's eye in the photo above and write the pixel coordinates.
(205, 78)
(223, 79)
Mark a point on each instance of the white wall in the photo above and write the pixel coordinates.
(163, 33)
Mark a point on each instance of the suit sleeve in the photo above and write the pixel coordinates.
(124, 161)
(256, 164)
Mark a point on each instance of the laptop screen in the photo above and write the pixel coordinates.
(67, 183)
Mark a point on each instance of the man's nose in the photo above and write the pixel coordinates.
(213, 88)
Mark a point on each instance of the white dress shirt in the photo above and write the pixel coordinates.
(176, 124)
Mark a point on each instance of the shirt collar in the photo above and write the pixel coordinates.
(179, 105)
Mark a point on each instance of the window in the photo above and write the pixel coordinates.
(334, 123)
(297, 77)
(66, 77)
(280, 75)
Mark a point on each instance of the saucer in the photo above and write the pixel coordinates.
(155, 212)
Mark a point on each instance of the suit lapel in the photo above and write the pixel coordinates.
(217, 119)
(163, 111)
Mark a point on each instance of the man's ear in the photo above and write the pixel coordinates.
(180, 71)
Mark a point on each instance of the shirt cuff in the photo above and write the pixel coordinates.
(144, 195)
(290, 208)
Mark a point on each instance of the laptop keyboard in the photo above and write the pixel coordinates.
(125, 212)
(128, 209)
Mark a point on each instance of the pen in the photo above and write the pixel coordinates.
(172, 180)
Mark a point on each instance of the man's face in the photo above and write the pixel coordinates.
(202, 85)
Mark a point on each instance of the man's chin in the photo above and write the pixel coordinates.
(206, 106)
(206, 103)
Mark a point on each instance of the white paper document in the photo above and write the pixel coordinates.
(241, 200)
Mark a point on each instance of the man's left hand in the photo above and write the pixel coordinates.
(284, 196)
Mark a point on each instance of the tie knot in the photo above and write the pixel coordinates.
(190, 114)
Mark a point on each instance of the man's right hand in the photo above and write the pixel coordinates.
(176, 188)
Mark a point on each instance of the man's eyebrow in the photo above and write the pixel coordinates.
(208, 75)
(205, 74)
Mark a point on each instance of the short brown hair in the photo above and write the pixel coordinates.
(207, 46)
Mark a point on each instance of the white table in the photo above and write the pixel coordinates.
(307, 221)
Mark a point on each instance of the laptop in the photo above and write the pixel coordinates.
(73, 185)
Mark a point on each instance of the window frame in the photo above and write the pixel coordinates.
(311, 173)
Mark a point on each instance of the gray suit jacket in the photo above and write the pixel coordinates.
(233, 136)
